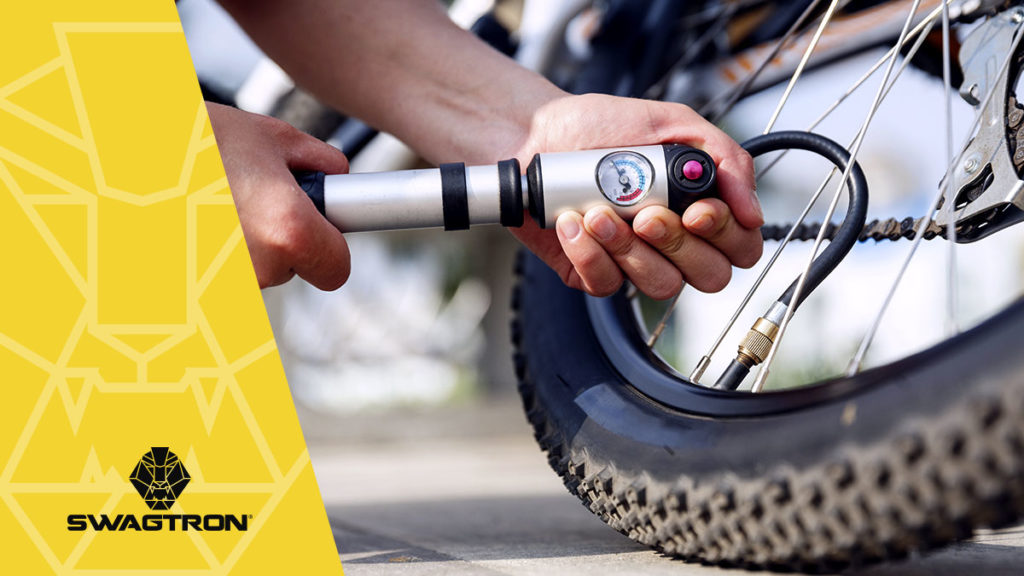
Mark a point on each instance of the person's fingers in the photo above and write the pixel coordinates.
(283, 231)
(269, 265)
(316, 249)
(737, 188)
(711, 220)
(648, 270)
(304, 152)
(677, 123)
(735, 177)
(702, 265)
(598, 273)
(547, 246)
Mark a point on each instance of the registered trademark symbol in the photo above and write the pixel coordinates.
(250, 516)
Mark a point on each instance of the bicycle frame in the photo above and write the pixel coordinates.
(847, 35)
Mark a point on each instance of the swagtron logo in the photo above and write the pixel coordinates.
(160, 478)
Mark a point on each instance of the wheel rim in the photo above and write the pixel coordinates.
(615, 321)
(625, 348)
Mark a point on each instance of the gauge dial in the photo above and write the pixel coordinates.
(625, 177)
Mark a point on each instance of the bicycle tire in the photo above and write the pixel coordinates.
(912, 456)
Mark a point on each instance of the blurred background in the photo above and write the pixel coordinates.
(405, 372)
(423, 322)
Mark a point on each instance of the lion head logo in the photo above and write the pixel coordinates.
(160, 478)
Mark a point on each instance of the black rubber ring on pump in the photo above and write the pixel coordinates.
(454, 196)
(312, 183)
(510, 188)
(535, 186)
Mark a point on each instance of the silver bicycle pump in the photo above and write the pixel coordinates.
(455, 196)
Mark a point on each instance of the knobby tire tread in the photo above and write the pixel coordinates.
(934, 483)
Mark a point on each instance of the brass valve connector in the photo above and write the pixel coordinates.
(757, 343)
(754, 348)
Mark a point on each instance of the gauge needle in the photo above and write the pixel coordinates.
(623, 178)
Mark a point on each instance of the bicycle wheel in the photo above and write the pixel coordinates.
(863, 465)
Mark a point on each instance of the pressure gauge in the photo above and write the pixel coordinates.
(625, 177)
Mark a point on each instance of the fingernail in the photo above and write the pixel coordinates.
(653, 229)
(757, 205)
(702, 224)
(568, 227)
(603, 227)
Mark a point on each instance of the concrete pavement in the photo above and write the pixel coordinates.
(468, 492)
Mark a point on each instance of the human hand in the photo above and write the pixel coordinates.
(283, 230)
(596, 251)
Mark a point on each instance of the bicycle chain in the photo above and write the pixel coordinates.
(893, 229)
(906, 229)
(878, 230)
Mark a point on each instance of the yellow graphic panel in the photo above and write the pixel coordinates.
(146, 424)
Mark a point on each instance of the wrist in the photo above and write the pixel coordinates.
(555, 126)
(506, 119)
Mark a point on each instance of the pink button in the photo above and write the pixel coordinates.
(693, 170)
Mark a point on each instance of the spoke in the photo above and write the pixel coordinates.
(922, 30)
(741, 89)
(762, 375)
(709, 14)
(653, 339)
(705, 360)
(631, 291)
(722, 19)
(865, 344)
(750, 78)
(803, 63)
(951, 267)
(702, 365)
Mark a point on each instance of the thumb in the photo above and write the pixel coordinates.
(305, 152)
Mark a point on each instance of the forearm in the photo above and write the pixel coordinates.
(403, 67)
